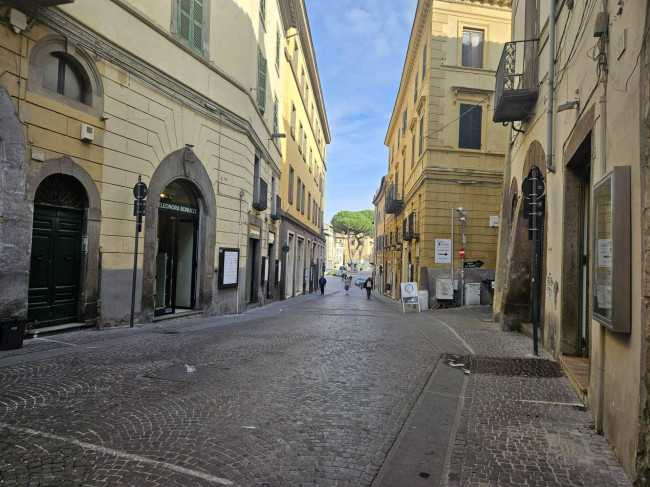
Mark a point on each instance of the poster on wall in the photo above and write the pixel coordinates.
(228, 267)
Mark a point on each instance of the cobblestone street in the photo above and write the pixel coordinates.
(317, 390)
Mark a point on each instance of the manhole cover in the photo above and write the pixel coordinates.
(519, 367)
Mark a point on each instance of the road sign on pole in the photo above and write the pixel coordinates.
(139, 205)
(461, 252)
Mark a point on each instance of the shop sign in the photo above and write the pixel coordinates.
(177, 207)
(253, 231)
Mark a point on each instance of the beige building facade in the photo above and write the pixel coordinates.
(580, 124)
(186, 95)
(443, 153)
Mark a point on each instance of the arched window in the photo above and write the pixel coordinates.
(62, 74)
(65, 73)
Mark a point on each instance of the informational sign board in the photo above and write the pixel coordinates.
(228, 267)
(443, 251)
(410, 296)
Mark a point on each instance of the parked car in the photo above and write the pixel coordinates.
(338, 273)
(360, 281)
(343, 268)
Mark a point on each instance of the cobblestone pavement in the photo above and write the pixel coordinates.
(310, 391)
(522, 423)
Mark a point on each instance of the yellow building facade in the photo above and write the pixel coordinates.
(444, 155)
(573, 84)
(186, 95)
(304, 150)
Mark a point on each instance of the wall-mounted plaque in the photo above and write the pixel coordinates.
(228, 267)
(611, 264)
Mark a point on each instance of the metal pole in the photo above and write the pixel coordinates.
(462, 269)
(138, 220)
(452, 246)
(534, 211)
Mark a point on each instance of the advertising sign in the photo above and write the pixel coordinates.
(410, 296)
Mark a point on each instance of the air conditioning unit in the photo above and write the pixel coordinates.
(87, 132)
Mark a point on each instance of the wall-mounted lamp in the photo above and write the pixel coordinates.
(568, 105)
(278, 136)
(210, 106)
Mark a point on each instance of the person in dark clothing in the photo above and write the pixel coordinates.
(368, 286)
(321, 282)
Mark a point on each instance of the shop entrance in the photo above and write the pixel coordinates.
(176, 250)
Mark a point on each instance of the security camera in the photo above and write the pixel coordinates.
(460, 209)
(462, 218)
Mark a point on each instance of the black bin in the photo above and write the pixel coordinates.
(12, 332)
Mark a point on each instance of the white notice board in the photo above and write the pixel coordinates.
(228, 267)
(443, 251)
(410, 296)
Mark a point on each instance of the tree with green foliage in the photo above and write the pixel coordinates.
(356, 225)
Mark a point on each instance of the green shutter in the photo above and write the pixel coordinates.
(197, 25)
(191, 23)
(275, 116)
(261, 83)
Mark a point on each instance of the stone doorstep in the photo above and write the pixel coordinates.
(577, 370)
(54, 329)
(181, 314)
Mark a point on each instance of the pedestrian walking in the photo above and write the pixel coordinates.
(321, 282)
(368, 286)
(346, 284)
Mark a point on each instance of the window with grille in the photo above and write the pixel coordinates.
(421, 135)
(469, 136)
(472, 48)
(261, 82)
(191, 23)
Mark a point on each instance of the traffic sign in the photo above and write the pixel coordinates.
(461, 252)
(473, 264)
(140, 190)
(527, 186)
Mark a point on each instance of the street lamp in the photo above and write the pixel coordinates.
(463, 213)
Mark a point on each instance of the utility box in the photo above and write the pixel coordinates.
(444, 289)
(12, 333)
(472, 293)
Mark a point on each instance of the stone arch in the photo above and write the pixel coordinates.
(181, 164)
(93, 87)
(516, 302)
(88, 282)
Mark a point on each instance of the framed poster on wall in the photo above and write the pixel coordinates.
(228, 267)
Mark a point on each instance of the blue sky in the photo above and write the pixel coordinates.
(360, 49)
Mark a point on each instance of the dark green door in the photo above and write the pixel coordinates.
(54, 271)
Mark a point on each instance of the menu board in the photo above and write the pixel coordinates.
(228, 267)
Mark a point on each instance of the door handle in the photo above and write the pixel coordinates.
(67, 257)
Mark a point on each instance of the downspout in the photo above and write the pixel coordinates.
(241, 197)
(551, 79)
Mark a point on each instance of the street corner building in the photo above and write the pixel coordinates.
(437, 208)
(573, 86)
(189, 96)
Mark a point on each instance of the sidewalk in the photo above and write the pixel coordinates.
(520, 421)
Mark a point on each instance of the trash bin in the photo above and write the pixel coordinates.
(12, 332)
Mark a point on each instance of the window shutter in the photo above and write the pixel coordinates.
(197, 25)
(184, 12)
(261, 83)
(469, 136)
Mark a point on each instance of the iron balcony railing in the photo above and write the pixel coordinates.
(411, 227)
(516, 89)
(394, 201)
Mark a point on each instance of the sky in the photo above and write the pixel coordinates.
(360, 50)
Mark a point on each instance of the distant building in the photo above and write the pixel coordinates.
(443, 154)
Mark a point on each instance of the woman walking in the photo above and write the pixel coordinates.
(346, 284)
(368, 286)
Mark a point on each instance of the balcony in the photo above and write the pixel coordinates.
(276, 207)
(394, 201)
(260, 194)
(516, 89)
(51, 3)
(411, 231)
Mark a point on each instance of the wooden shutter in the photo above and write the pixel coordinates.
(261, 83)
(197, 25)
(191, 23)
(469, 136)
(184, 15)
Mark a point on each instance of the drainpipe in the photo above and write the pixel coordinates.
(551, 79)
(241, 197)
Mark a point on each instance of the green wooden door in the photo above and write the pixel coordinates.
(54, 271)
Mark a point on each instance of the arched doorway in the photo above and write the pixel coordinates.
(57, 246)
(175, 282)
